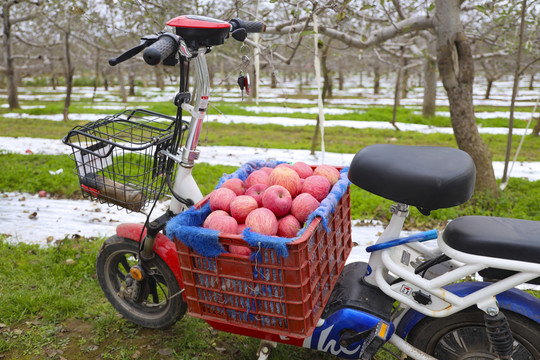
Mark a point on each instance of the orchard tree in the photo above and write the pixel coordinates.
(454, 61)
(13, 12)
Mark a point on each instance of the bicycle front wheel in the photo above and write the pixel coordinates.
(158, 303)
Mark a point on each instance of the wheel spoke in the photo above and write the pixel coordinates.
(153, 289)
(125, 263)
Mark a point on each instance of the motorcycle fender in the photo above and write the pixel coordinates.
(163, 247)
(514, 300)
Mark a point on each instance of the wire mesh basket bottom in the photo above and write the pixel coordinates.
(118, 158)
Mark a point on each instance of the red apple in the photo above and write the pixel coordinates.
(286, 177)
(302, 169)
(211, 215)
(284, 165)
(277, 199)
(220, 199)
(300, 185)
(262, 221)
(288, 226)
(329, 172)
(235, 185)
(241, 228)
(241, 206)
(239, 250)
(42, 193)
(303, 205)
(316, 185)
(222, 223)
(256, 177)
(256, 192)
(267, 169)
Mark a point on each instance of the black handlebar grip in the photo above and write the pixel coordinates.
(249, 26)
(166, 45)
(114, 61)
(254, 26)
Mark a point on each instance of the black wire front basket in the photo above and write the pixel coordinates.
(119, 159)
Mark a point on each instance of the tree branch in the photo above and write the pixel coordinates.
(490, 55)
(26, 18)
(377, 37)
(523, 69)
(27, 42)
(399, 10)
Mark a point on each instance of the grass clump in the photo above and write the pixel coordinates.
(30, 173)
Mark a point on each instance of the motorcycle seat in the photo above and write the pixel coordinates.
(504, 238)
(427, 177)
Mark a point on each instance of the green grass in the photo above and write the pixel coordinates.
(52, 306)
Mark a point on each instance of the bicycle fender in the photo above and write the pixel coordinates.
(514, 300)
(163, 247)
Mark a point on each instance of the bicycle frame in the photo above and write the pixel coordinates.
(184, 184)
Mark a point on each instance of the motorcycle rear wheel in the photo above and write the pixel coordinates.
(160, 304)
(463, 336)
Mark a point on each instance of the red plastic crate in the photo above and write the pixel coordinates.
(285, 296)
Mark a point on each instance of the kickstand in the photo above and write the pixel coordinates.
(265, 348)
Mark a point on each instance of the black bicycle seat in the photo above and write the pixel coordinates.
(427, 177)
(504, 238)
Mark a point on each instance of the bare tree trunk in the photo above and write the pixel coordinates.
(492, 73)
(341, 79)
(69, 77)
(376, 78)
(96, 77)
(429, 104)
(122, 84)
(488, 88)
(13, 97)
(531, 81)
(328, 85)
(404, 87)
(54, 78)
(273, 83)
(454, 58)
(131, 81)
(536, 130)
(397, 90)
(105, 77)
(514, 92)
(160, 83)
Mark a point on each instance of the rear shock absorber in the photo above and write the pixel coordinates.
(499, 334)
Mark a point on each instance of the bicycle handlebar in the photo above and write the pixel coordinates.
(162, 47)
(165, 46)
(249, 26)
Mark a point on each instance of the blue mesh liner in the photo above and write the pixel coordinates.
(187, 226)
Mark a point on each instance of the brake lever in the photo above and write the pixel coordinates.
(145, 42)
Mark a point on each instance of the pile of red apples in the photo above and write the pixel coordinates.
(271, 201)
